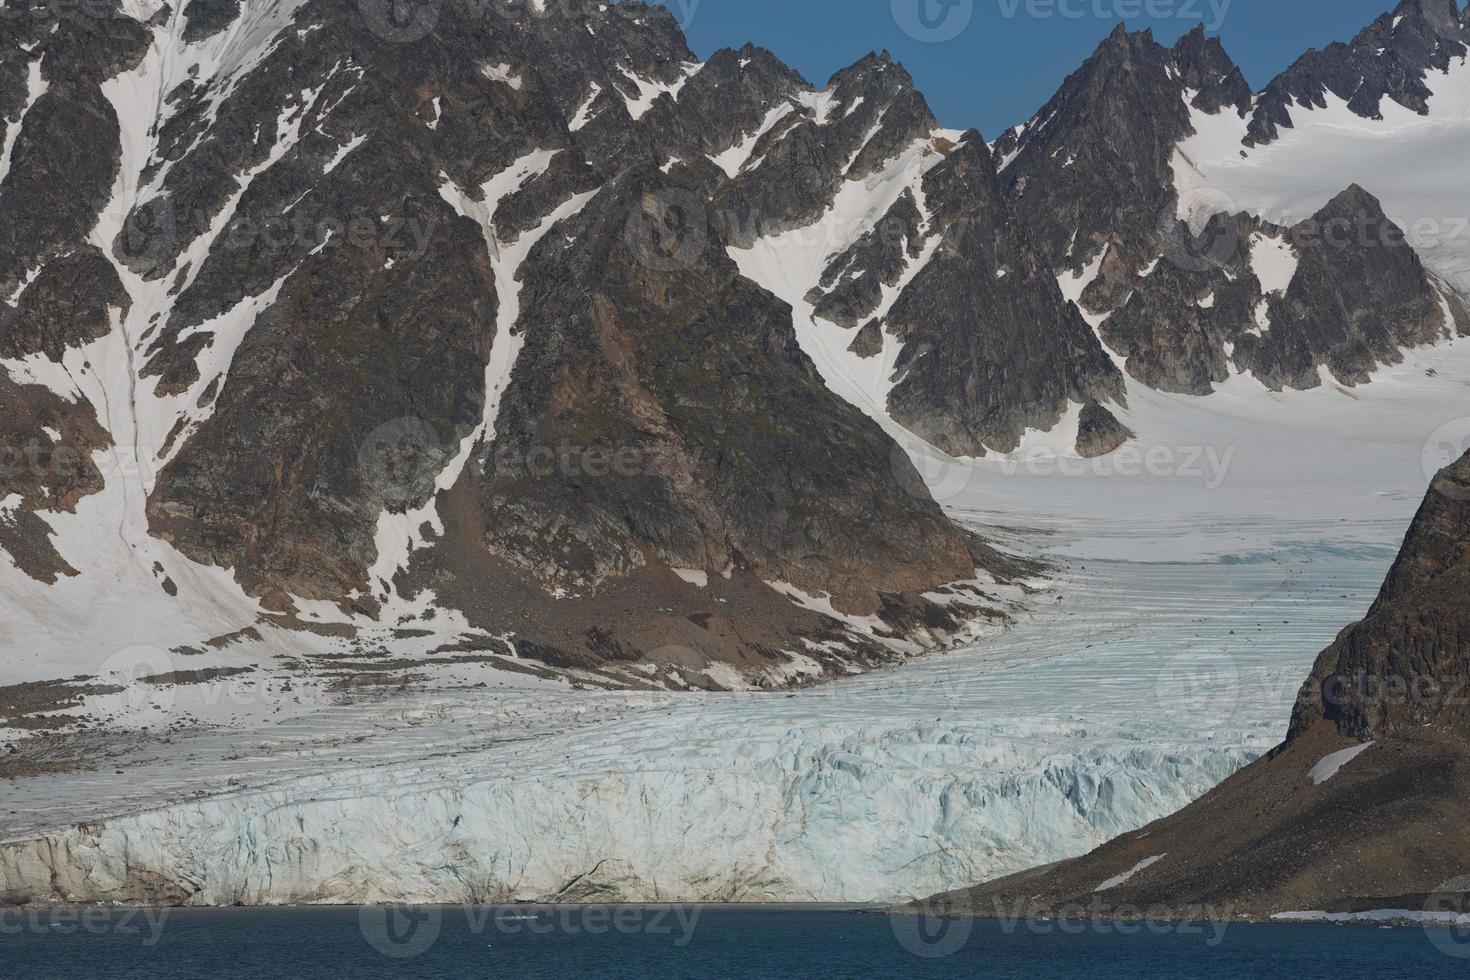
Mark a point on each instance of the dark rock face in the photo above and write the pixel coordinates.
(1092, 169)
(868, 342)
(326, 233)
(1179, 316)
(970, 377)
(1388, 59)
(725, 103)
(1404, 666)
(205, 18)
(1206, 69)
(1099, 432)
(64, 306)
(1385, 831)
(852, 285)
(720, 435)
(1359, 295)
(53, 190)
(384, 307)
(1185, 307)
(46, 446)
(872, 112)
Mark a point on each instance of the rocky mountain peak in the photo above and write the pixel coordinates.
(872, 63)
(1391, 58)
(1209, 72)
(1092, 168)
(877, 77)
(535, 272)
(582, 198)
(1355, 810)
(1352, 201)
(1443, 16)
(755, 60)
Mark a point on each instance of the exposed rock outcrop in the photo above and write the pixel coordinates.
(1188, 300)
(1362, 807)
(1092, 169)
(975, 372)
(1099, 432)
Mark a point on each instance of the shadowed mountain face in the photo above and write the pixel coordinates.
(344, 287)
(971, 374)
(1092, 167)
(1364, 806)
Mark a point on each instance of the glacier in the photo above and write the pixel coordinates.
(1162, 654)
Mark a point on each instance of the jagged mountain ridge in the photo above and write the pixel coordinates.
(1387, 60)
(460, 252)
(1188, 299)
(466, 236)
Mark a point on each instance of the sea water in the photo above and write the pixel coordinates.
(691, 941)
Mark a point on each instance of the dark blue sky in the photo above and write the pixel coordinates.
(1008, 56)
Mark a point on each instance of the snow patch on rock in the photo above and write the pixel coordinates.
(1332, 764)
(1127, 876)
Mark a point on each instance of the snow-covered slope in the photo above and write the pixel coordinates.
(1417, 165)
(790, 265)
(118, 603)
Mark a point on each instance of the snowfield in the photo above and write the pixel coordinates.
(1415, 165)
